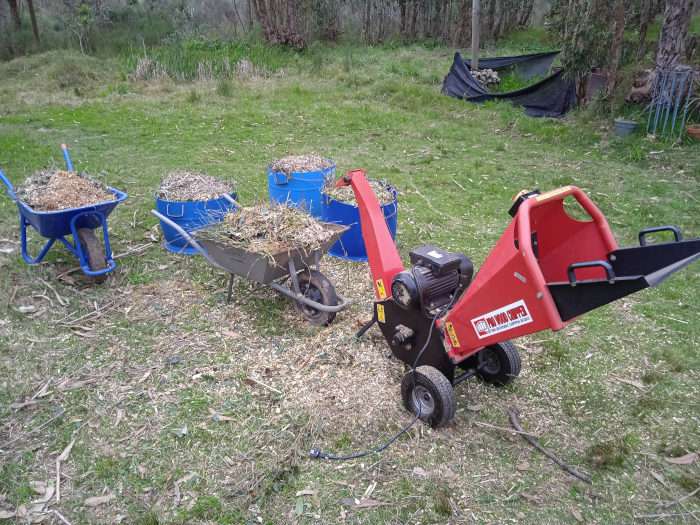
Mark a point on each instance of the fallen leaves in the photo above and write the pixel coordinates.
(362, 503)
(687, 459)
(95, 501)
(60, 459)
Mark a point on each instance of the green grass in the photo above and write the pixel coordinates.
(456, 167)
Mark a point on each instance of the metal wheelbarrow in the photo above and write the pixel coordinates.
(95, 260)
(311, 291)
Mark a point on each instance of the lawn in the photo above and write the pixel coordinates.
(156, 381)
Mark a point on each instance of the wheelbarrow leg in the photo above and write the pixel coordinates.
(23, 243)
(229, 293)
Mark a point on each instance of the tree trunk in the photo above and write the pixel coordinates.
(645, 18)
(14, 11)
(673, 33)
(616, 45)
(32, 16)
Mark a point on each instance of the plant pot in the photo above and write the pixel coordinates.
(693, 131)
(624, 127)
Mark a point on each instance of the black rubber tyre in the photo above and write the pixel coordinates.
(498, 364)
(429, 389)
(94, 251)
(315, 286)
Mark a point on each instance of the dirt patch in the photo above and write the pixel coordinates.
(269, 228)
(346, 194)
(184, 185)
(300, 164)
(53, 190)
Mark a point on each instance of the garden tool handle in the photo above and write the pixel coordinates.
(609, 272)
(669, 228)
(8, 185)
(66, 157)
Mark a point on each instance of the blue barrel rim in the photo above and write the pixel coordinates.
(390, 211)
(326, 171)
(386, 185)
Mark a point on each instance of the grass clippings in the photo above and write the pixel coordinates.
(53, 190)
(345, 194)
(300, 164)
(184, 185)
(268, 229)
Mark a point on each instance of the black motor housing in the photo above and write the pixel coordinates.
(436, 277)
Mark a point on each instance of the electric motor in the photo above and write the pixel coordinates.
(433, 281)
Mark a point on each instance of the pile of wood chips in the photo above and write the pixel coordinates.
(268, 229)
(300, 164)
(53, 190)
(184, 185)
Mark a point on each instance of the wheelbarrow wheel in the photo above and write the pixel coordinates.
(94, 252)
(498, 364)
(315, 286)
(429, 394)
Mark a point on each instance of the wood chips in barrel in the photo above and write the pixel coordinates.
(183, 185)
(300, 164)
(345, 194)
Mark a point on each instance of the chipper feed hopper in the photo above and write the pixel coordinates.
(546, 269)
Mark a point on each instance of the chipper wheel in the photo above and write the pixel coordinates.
(315, 286)
(94, 252)
(428, 390)
(498, 364)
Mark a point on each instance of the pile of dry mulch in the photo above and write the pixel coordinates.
(268, 228)
(53, 190)
(346, 194)
(300, 164)
(183, 185)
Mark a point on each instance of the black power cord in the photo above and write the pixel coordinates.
(317, 453)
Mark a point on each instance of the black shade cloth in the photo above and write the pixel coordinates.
(526, 66)
(553, 96)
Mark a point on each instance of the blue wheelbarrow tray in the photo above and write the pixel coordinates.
(56, 225)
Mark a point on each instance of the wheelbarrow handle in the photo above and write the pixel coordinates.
(190, 240)
(66, 157)
(231, 200)
(9, 186)
(670, 228)
(609, 272)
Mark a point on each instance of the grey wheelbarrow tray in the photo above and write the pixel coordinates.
(263, 268)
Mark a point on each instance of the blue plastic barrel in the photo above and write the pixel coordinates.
(190, 216)
(351, 245)
(302, 189)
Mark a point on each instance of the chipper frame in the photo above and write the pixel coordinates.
(546, 269)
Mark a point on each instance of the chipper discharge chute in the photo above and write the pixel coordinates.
(546, 269)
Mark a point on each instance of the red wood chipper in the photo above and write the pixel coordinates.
(546, 269)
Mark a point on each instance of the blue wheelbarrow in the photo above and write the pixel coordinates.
(95, 260)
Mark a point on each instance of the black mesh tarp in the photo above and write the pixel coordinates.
(527, 66)
(553, 96)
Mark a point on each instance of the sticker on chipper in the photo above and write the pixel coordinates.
(381, 316)
(505, 318)
(452, 334)
(380, 289)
